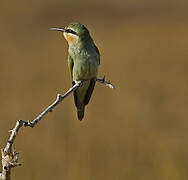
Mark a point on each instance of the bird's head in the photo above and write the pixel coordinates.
(74, 32)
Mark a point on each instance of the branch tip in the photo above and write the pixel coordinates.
(107, 83)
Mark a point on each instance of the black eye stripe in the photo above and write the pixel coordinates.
(70, 31)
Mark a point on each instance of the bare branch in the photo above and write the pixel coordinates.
(107, 83)
(9, 155)
(53, 105)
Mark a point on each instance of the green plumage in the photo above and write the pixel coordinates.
(83, 62)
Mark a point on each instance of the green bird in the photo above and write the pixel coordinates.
(83, 62)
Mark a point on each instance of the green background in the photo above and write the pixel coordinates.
(137, 131)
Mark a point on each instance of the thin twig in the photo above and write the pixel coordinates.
(9, 155)
(107, 83)
(54, 104)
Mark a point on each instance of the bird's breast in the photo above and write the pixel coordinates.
(86, 62)
(84, 69)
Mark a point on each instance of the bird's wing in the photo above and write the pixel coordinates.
(91, 84)
(97, 51)
(92, 81)
(70, 64)
(89, 91)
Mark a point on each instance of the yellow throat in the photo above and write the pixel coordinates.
(71, 38)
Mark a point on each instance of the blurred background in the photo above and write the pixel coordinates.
(137, 131)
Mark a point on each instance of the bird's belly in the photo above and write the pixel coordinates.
(84, 70)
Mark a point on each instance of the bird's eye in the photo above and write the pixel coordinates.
(70, 31)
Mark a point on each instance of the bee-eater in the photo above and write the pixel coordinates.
(83, 62)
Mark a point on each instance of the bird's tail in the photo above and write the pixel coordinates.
(80, 112)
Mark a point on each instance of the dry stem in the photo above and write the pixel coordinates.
(9, 155)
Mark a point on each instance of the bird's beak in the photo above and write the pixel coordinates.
(57, 29)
